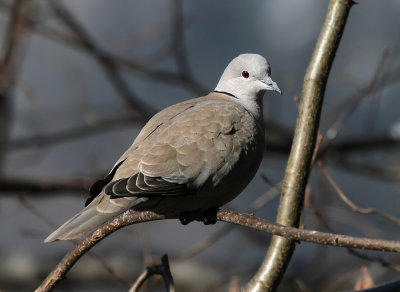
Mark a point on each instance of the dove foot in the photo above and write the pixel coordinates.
(208, 217)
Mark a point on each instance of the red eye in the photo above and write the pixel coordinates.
(245, 74)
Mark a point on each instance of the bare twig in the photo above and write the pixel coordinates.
(384, 263)
(356, 253)
(8, 65)
(131, 217)
(16, 29)
(299, 234)
(350, 203)
(162, 270)
(377, 82)
(18, 185)
(61, 136)
(109, 66)
(362, 144)
(31, 208)
(320, 137)
(179, 49)
(130, 64)
(385, 172)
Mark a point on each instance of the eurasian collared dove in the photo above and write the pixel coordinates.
(193, 156)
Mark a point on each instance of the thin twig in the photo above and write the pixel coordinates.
(73, 133)
(18, 185)
(132, 65)
(11, 50)
(350, 203)
(162, 269)
(178, 46)
(374, 170)
(320, 137)
(131, 217)
(378, 80)
(308, 204)
(31, 208)
(109, 66)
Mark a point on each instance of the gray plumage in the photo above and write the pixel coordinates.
(194, 155)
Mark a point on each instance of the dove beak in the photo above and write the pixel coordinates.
(271, 85)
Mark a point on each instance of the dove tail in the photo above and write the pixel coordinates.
(81, 223)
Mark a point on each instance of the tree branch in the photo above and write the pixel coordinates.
(8, 65)
(73, 133)
(109, 66)
(42, 188)
(350, 203)
(298, 168)
(163, 270)
(131, 217)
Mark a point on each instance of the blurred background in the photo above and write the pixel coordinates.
(78, 80)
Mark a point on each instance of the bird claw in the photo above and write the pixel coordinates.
(208, 217)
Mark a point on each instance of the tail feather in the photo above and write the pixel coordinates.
(81, 223)
(100, 210)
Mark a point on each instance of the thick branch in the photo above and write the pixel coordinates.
(132, 217)
(298, 168)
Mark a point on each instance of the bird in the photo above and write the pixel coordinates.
(194, 156)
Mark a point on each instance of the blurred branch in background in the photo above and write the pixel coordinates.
(17, 185)
(162, 269)
(108, 64)
(308, 205)
(61, 23)
(18, 24)
(350, 203)
(342, 112)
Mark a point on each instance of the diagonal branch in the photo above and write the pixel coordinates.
(298, 168)
(179, 49)
(109, 66)
(131, 217)
(8, 65)
(350, 203)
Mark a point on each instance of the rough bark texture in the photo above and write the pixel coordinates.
(131, 217)
(298, 168)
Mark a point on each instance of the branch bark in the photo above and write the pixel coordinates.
(8, 66)
(131, 217)
(298, 168)
(162, 269)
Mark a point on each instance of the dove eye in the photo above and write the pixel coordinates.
(245, 74)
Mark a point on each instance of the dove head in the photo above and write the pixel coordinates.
(246, 79)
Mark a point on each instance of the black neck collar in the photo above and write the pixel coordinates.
(224, 92)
